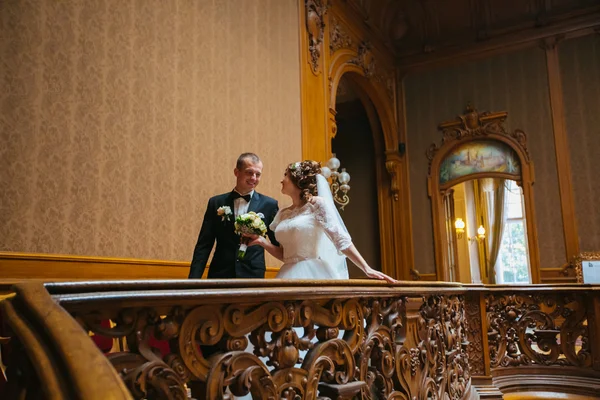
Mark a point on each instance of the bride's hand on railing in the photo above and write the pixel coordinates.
(373, 273)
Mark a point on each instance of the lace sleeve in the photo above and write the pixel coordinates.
(328, 220)
(275, 221)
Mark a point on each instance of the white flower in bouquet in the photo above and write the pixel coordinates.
(250, 223)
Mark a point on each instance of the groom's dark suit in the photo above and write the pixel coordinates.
(225, 263)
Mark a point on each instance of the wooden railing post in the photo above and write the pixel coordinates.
(478, 349)
(593, 312)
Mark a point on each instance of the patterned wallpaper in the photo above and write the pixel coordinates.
(120, 118)
(515, 82)
(580, 67)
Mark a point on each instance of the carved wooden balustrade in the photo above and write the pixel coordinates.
(300, 340)
(544, 337)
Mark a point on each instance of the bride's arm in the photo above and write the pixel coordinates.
(275, 251)
(342, 240)
(354, 256)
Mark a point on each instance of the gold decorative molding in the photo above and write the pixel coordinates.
(315, 28)
(576, 264)
(364, 59)
(476, 125)
(338, 38)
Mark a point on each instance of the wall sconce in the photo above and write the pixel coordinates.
(459, 224)
(339, 181)
(480, 235)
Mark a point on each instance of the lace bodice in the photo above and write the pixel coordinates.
(300, 230)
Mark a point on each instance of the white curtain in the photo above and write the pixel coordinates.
(493, 201)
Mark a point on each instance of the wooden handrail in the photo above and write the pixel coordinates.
(411, 338)
(66, 362)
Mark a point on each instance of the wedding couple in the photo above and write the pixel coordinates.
(309, 236)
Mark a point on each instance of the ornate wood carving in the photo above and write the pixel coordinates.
(543, 328)
(473, 124)
(349, 340)
(474, 335)
(576, 264)
(338, 38)
(315, 28)
(365, 59)
(387, 350)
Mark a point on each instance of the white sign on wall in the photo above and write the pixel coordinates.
(591, 271)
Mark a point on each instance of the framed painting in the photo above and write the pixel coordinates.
(481, 156)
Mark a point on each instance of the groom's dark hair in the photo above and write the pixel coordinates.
(243, 157)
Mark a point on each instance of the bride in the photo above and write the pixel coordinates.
(314, 241)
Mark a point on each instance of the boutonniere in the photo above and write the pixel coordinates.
(224, 212)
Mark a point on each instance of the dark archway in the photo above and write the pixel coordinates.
(355, 147)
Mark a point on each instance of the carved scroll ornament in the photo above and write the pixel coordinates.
(399, 351)
(475, 124)
(338, 38)
(315, 28)
(546, 329)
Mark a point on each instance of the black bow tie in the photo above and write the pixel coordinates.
(246, 197)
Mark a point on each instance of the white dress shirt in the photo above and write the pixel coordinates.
(240, 205)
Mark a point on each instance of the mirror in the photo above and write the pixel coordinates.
(488, 232)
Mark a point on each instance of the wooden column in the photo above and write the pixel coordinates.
(405, 240)
(313, 85)
(561, 146)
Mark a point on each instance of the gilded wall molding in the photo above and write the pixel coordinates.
(338, 37)
(315, 28)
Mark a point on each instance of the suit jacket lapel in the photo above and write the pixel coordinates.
(229, 203)
(254, 202)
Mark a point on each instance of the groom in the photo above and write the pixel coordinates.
(218, 225)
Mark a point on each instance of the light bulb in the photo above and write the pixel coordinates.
(481, 231)
(459, 224)
(333, 163)
(326, 172)
(344, 176)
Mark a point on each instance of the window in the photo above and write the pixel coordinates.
(513, 260)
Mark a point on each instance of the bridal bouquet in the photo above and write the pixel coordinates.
(251, 224)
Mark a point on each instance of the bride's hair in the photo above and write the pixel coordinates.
(304, 175)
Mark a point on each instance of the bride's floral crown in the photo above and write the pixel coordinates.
(304, 175)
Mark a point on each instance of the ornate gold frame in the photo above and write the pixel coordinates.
(475, 126)
(576, 264)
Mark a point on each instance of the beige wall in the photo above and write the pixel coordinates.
(515, 82)
(119, 118)
(580, 67)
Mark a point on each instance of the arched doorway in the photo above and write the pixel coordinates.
(476, 149)
(354, 145)
(377, 96)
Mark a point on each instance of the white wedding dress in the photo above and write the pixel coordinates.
(312, 238)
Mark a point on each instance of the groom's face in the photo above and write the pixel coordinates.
(248, 177)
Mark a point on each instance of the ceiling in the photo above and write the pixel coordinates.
(418, 27)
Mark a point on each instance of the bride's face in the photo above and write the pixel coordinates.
(288, 187)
